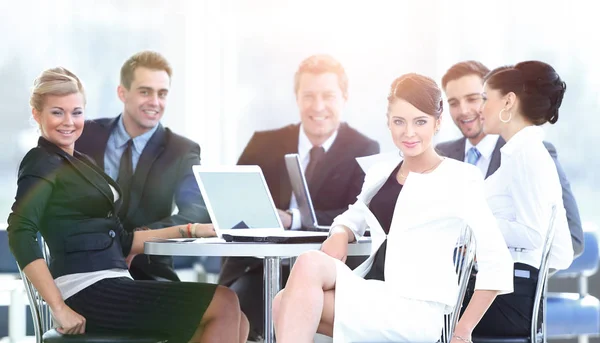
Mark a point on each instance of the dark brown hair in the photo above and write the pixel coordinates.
(463, 69)
(418, 90)
(536, 84)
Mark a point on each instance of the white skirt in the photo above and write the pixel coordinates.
(370, 311)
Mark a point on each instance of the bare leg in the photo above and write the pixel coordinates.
(327, 316)
(223, 319)
(244, 327)
(299, 308)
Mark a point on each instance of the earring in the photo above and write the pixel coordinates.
(502, 119)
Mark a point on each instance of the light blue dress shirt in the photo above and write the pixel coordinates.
(117, 142)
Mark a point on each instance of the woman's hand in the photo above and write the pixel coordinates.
(203, 230)
(69, 322)
(461, 334)
(336, 246)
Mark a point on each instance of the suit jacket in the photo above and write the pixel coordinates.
(68, 200)
(427, 206)
(163, 178)
(456, 150)
(338, 177)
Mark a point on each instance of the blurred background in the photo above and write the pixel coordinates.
(234, 62)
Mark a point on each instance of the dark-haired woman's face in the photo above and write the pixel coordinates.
(491, 107)
(412, 130)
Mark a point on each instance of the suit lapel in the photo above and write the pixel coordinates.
(458, 153)
(86, 171)
(153, 149)
(495, 160)
(97, 177)
(334, 156)
(97, 150)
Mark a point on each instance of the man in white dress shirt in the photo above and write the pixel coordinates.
(463, 85)
(327, 147)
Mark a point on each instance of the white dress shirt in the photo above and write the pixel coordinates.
(429, 213)
(304, 146)
(521, 194)
(486, 148)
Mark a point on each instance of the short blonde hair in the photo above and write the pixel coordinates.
(321, 64)
(57, 81)
(146, 59)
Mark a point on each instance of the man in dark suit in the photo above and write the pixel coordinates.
(327, 148)
(463, 85)
(152, 165)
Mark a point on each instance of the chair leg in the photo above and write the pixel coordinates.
(17, 318)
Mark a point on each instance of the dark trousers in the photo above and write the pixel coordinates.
(249, 289)
(510, 314)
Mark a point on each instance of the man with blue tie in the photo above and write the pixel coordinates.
(463, 85)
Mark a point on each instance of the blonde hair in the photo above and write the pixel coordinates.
(57, 81)
(146, 59)
(321, 64)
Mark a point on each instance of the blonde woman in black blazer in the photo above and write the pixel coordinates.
(64, 196)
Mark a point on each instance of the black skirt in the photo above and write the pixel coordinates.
(377, 269)
(169, 309)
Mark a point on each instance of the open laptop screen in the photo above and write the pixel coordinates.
(237, 197)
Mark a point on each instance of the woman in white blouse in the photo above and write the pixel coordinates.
(415, 209)
(517, 100)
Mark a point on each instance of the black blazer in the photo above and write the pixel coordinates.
(68, 200)
(456, 150)
(163, 178)
(339, 177)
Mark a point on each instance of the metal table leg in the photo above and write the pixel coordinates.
(271, 285)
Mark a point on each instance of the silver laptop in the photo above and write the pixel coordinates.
(241, 207)
(308, 218)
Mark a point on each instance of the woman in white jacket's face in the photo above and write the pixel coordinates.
(412, 130)
(414, 112)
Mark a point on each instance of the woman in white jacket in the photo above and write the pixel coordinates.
(415, 209)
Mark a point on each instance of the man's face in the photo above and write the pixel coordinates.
(145, 100)
(320, 101)
(464, 101)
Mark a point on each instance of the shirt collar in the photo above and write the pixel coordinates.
(486, 146)
(304, 144)
(525, 136)
(139, 143)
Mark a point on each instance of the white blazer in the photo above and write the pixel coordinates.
(430, 212)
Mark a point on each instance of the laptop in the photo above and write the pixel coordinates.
(241, 207)
(308, 218)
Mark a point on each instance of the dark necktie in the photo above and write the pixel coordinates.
(316, 156)
(125, 177)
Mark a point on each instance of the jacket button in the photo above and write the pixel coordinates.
(112, 233)
(109, 214)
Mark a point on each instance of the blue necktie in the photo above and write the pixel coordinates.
(473, 156)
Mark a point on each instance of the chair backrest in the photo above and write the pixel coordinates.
(464, 258)
(542, 285)
(40, 311)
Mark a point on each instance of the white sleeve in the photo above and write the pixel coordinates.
(354, 217)
(529, 191)
(493, 258)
